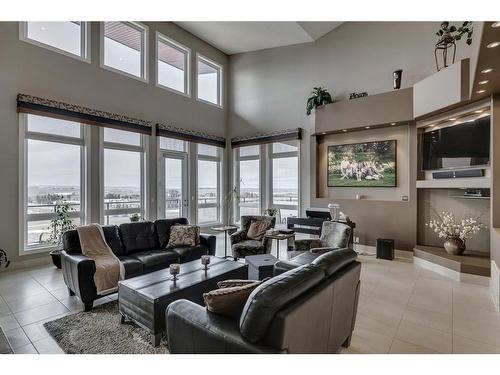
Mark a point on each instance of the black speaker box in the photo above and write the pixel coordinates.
(458, 174)
(385, 248)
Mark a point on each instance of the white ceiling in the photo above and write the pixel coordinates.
(237, 37)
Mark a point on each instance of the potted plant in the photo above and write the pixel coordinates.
(134, 218)
(448, 35)
(60, 224)
(455, 232)
(319, 96)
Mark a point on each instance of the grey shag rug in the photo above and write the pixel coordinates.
(99, 332)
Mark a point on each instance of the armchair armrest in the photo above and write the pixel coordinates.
(192, 329)
(307, 244)
(238, 236)
(282, 266)
(78, 273)
(210, 241)
(322, 250)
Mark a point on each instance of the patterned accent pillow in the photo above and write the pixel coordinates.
(184, 235)
(229, 301)
(258, 229)
(235, 282)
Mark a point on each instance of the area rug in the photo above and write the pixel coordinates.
(99, 332)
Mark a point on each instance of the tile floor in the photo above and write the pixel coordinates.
(402, 309)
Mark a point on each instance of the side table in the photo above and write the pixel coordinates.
(279, 237)
(226, 229)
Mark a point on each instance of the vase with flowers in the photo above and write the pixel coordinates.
(454, 231)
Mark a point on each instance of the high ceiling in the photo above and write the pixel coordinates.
(237, 37)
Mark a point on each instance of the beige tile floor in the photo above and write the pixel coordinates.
(402, 309)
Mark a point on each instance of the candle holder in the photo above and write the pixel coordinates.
(205, 261)
(175, 269)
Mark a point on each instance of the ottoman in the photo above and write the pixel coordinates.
(260, 266)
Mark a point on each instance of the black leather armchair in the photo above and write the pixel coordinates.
(141, 248)
(310, 308)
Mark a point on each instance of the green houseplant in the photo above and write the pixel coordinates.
(319, 96)
(456, 33)
(58, 225)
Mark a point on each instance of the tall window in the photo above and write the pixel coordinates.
(124, 176)
(209, 176)
(285, 178)
(69, 38)
(172, 65)
(209, 84)
(247, 174)
(53, 177)
(124, 48)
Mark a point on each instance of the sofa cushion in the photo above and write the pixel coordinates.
(229, 301)
(189, 253)
(184, 235)
(247, 246)
(163, 229)
(333, 261)
(154, 260)
(113, 239)
(133, 266)
(271, 296)
(139, 237)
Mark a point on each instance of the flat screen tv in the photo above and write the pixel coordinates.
(459, 146)
(368, 164)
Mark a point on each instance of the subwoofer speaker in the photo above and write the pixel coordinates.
(458, 174)
(385, 248)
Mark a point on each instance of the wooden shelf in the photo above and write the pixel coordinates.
(472, 262)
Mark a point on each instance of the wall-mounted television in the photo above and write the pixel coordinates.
(368, 164)
(459, 146)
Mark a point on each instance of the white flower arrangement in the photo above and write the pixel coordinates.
(448, 227)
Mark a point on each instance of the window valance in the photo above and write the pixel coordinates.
(164, 130)
(71, 112)
(272, 137)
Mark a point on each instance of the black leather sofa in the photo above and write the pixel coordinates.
(141, 247)
(308, 307)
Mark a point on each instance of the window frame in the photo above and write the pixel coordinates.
(143, 149)
(84, 143)
(85, 47)
(144, 52)
(187, 60)
(237, 158)
(218, 205)
(220, 68)
(281, 155)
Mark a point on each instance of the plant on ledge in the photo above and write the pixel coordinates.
(448, 35)
(454, 231)
(319, 96)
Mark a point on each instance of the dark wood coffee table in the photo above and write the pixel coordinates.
(144, 299)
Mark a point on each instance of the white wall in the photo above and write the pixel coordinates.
(29, 69)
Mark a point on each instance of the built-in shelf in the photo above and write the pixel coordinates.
(468, 197)
(455, 183)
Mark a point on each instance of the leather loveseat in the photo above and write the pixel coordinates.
(141, 247)
(310, 308)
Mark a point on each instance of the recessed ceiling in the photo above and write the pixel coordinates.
(238, 37)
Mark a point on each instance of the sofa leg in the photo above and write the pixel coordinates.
(70, 292)
(87, 306)
(347, 342)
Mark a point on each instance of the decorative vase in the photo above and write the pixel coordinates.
(454, 246)
(397, 75)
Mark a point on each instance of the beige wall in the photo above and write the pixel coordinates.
(30, 69)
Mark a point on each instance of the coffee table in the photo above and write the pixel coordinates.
(144, 299)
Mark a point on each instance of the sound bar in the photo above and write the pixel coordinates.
(458, 174)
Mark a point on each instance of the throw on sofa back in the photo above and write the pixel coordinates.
(71, 241)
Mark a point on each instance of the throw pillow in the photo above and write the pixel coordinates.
(229, 301)
(258, 229)
(184, 235)
(236, 282)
